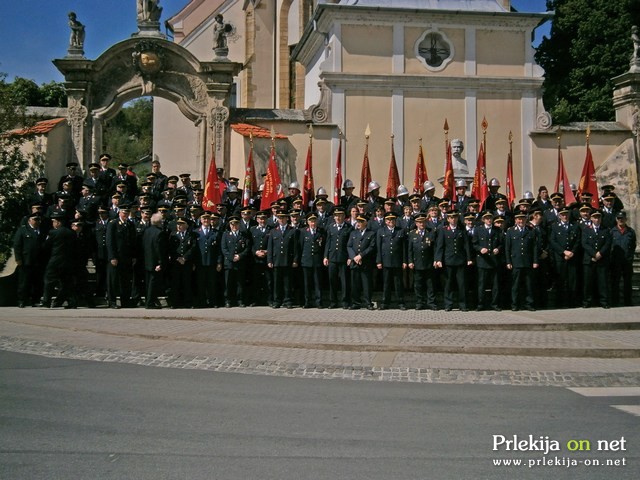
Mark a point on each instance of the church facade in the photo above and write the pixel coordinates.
(398, 68)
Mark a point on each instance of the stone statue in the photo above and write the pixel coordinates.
(149, 11)
(76, 40)
(635, 58)
(221, 30)
(459, 164)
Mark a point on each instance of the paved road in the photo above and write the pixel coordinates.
(69, 419)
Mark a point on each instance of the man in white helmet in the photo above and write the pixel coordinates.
(348, 200)
(429, 198)
(322, 194)
(494, 195)
(461, 199)
(294, 193)
(402, 199)
(373, 198)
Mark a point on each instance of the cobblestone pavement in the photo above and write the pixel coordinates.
(573, 347)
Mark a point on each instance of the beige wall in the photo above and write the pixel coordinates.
(500, 53)
(367, 49)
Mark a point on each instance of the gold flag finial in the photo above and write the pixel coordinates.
(367, 132)
(420, 141)
(559, 137)
(588, 133)
(510, 137)
(485, 125)
(446, 126)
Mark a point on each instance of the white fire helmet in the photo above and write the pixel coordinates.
(295, 185)
(321, 191)
(461, 184)
(347, 184)
(402, 190)
(373, 186)
(428, 185)
(494, 182)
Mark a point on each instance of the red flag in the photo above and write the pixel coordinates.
(393, 180)
(588, 181)
(421, 172)
(250, 187)
(272, 190)
(480, 188)
(337, 186)
(561, 179)
(448, 182)
(214, 187)
(365, 174)
(307, 184)
(511, 190)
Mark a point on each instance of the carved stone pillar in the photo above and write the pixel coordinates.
(96, 139)
(77, 118)
(219, 120)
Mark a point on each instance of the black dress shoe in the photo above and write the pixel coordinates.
(333, 305)
(605, 306)
(531, 309)
(70, 307)
(114, 305)
(464, 309)
(354, 307)
(275, 305)
(497, 309)
(227, 305)
(242, 305)
(447, 309)
(382, 307)
(434, 308)
(153, 307)
(289, 306)
(514, 309)
(20, 304)
(370, 307)
(402, 307)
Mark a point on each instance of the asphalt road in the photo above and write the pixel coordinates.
(68, 419)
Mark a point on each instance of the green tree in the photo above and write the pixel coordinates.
(129, 135)
(589, 44)
(17, 170)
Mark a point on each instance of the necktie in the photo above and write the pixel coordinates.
(206, 232)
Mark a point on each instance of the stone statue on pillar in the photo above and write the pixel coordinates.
(76, 40)
(221, 30)
(635, 57)
(149, 12)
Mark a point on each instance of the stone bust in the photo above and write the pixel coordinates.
(459, 164)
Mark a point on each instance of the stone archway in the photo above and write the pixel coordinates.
(147, 66)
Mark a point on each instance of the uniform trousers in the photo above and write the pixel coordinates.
(29, 283)
(119, 280)
(622, 271)
(595, 280)
(392, 275)
(312, 291)
(566, 282)
(488, 279)
(424, 289)
(522, 277)
(154, 282)
(338, 281)
(361, 286)
(455, 276)
(234, 284)
(181, 288)
(207, 286)
(261, 284)
(282, 285)
(61, 278)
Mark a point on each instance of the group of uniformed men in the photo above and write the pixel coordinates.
(157, 240)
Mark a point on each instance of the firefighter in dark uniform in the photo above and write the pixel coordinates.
(623, 247)
(236, 250)
(156, 258)
(208, 262)
(60, 246)
(335, 257)
(182, 245)
(83, 251)
(420, 256)
(487, 242)
(311, 248)
(391, 258)
(361, 249)
(596, 244)
(261, 288)
(521, 256)
(564, 244)
(121, 254)
(453, 254)
(281, 258)
(141, 224)
(27, 251)
(100, 258)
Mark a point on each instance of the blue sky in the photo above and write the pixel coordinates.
(33, 32)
